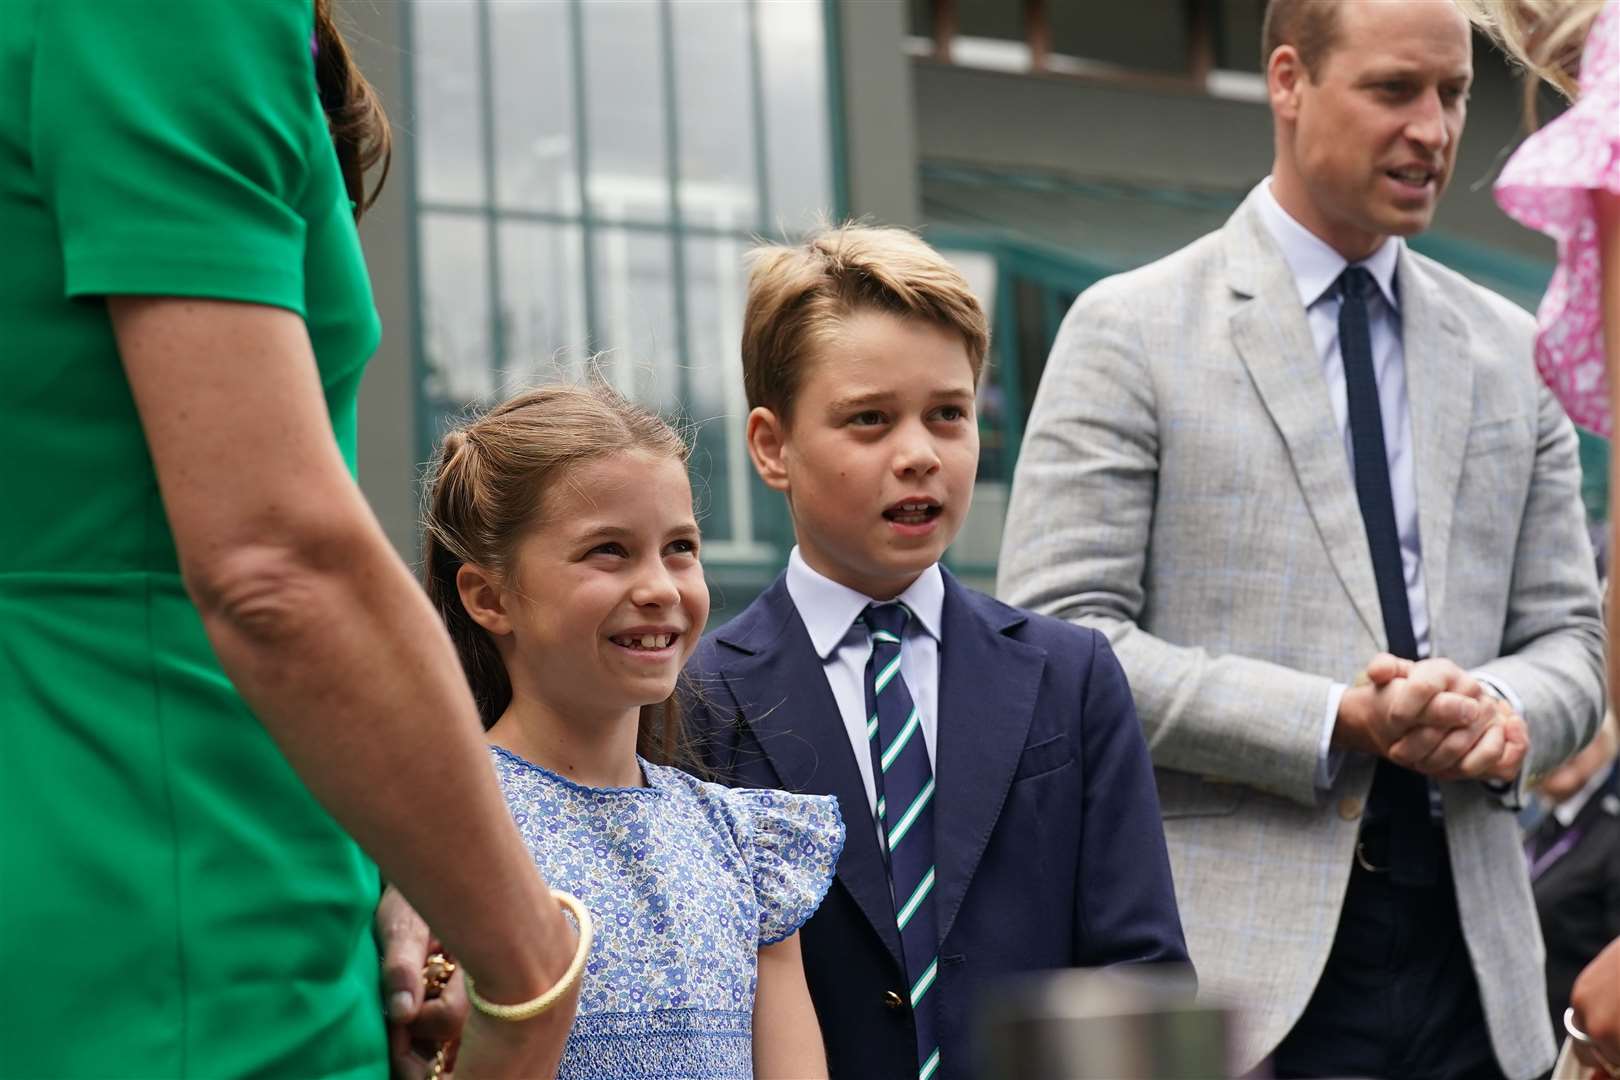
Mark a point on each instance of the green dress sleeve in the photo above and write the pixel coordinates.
(172, 141)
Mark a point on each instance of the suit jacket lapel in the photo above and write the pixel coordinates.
(987, 689)
(1440, 395)
(1274, 340)
(780, 686)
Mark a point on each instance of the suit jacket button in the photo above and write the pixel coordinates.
(1349, 809)
(892, 1000)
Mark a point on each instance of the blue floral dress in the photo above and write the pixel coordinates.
(686, 881)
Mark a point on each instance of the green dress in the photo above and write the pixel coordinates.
(173, 902)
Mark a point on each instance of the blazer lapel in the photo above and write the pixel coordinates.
(987, 689)
(780, 686)
(1440, 395)
(1274, 340)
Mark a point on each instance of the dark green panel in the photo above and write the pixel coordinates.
(1146, 34)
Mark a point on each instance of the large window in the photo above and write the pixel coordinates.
(589, 174)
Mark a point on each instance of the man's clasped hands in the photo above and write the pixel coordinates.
(1433, 717)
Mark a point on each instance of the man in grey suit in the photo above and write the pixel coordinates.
(1309, 484)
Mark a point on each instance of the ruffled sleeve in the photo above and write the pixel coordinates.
(1547, 185)
(792, 843)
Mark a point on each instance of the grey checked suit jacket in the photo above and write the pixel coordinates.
(1184, 488)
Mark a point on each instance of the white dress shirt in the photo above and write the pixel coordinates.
(1316, 268)
(830, 612)
(1570, 808)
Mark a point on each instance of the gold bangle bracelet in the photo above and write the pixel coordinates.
(527, 1010)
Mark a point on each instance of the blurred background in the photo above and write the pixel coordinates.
(574, 177)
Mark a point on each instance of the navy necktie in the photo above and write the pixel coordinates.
(1399, 796)
(905, 810)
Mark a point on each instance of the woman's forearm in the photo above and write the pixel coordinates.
(321, 628)
(1607, 205)
(340, 656)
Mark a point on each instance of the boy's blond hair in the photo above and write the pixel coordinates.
(799, 295)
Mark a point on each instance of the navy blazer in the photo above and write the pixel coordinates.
(1049, 849)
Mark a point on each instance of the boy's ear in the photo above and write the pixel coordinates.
(481, 597)
(767, 446)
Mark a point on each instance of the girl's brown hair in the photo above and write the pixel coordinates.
(487, 486)
(354, 114)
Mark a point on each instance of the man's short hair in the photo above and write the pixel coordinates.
(800, 294)
(1310, 26)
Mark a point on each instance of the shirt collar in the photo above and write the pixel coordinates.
(1314, 264)
(829, 609)
(1567, 810)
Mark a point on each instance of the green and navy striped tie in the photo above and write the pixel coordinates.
(905, 790)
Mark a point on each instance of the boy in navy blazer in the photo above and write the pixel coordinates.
(1000, 805)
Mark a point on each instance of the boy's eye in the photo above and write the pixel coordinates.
(682, 547)
(869, 418)
(952, 413)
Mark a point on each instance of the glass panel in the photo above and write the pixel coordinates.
(535, 148)
(449, 121)
(1147, 34)
(920, 17)
(1002, 19)
(624, 111)
(793, 66)
(1237, 41)
(715, 99)
(635, 310)
(455, 309)
(542, 303)
(731, 498)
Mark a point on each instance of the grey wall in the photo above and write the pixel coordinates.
(387, 404)
(1163, 135)
(878, 122)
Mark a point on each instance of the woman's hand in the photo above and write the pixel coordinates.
(1596, 1001)
(418, 1025)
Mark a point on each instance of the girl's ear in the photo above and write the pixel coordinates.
(481, 596)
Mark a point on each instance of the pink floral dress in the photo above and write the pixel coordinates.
(1547, 186)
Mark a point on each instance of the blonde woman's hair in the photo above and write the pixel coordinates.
(1545, 37)
(800, 294)
(486, 488)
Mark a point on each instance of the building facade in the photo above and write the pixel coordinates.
(575, 184)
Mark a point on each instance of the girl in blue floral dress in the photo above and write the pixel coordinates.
(562, 553)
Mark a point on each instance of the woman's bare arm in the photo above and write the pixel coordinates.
(787, 1036)
(1607, 205)
(332, 644)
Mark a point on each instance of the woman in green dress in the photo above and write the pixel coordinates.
(213, 669)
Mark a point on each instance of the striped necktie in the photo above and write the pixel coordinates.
(905, 810)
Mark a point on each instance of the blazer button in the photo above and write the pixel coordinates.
(1349, 809)
(892, 1000)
